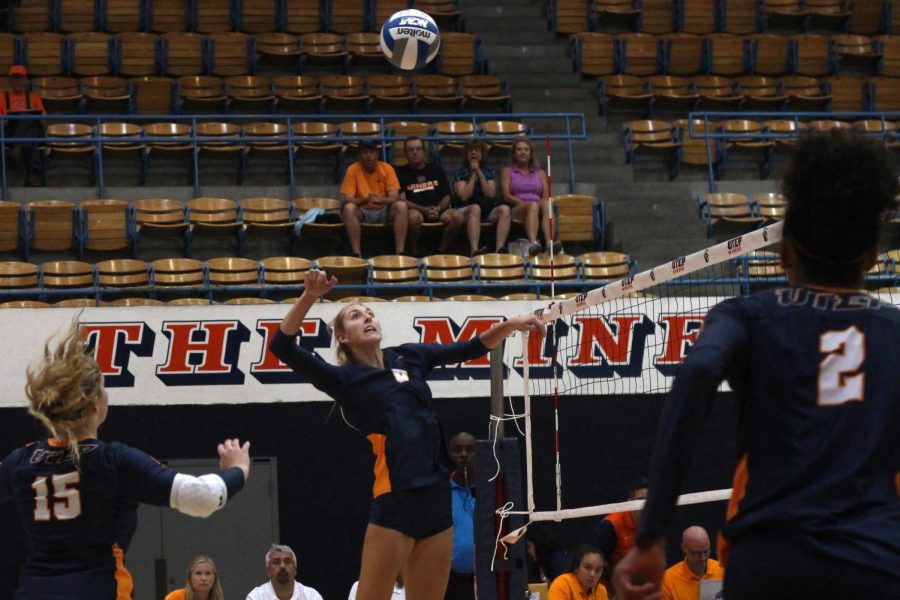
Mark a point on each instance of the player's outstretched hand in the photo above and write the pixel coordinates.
(530, 323)
(233, 454)
(316, 283)
(639, 574)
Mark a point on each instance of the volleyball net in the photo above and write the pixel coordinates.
(627, 337)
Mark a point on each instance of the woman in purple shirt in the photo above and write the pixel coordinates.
(524, 186)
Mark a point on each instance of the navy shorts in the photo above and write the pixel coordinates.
(419, 513)
(768, 564)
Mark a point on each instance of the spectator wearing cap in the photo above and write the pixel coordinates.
(371, 194)
(19, 100)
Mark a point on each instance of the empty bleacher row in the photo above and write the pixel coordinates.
(284, 94)
(233, 53)
(732, 16)
(390, 276)
(760, 140)
(218, 16)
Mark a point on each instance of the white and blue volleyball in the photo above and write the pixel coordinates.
(410, 39)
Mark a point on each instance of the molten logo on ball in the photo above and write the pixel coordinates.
(410, 39)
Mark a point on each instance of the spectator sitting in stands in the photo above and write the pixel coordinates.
(20, 101)
(475, 188)
(426, 191)
(583, 582)
(371, 194)
(525, 187)
(281, 566)
(617, 531)
(682, 581)
(202, 582)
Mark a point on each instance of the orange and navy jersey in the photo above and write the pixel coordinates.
(817, 381)
(79, 520)
(392, 406)
(11, 102)
(616, 535)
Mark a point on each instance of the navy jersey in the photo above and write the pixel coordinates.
(79, 521)
(390, 406)
(817, 378)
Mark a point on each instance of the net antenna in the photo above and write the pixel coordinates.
(707, 270)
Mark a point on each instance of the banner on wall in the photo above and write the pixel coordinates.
(219, 354)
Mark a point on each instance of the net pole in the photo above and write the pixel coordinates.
(550, 218)
(552, 331)
(526, 395)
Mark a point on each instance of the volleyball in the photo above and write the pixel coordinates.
(410, 39)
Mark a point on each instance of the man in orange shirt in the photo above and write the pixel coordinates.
(616, 532)
(371, 194)
(682, 581)
(19, 100)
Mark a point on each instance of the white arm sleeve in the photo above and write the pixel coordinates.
(198, 496)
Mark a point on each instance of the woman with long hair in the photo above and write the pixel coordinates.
(524, 186)
(202, 582)
(814, 368)
(77, 495)
(582, 582)
(383, 393)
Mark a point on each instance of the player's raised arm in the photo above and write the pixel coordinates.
(494, 336)
(315, 285)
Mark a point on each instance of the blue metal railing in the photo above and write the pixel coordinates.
(564, 127)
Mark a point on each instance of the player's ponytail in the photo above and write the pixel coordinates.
(62, 386)
(840, 186)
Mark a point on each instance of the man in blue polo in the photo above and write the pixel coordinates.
(462, 490)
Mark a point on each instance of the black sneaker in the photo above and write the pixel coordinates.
(557, 247)
(534, 248)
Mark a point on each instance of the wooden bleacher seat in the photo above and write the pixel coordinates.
(248, 301)
(159, 217)
(359, 129)
(177, 272)
(604, 266)
(657, 16)
(347, 269)
(122, 141)
(67, 274)
(79, 148)
(470, 298)
(137, 54)
(77, 16)
(170, 147)
(460, 54)
(812, 55)
(569, 16)
(729, 208)
(232, 271)
(890, 61)
(280, 50)
(437, 93)
(760, 264)
(623, 92)
(44, 53)
(716, 93)
(60, 95)
(182, 54)
(296, 94)
(302, 16)
(394, 268)
(212, 16)
(284, 270)
(122, 273)
(307, 143)
(727, 54)
(501, 134)
(89, 53)
(784, 14)
(852, 50)
(519, 296)
(615, 13)
(105, 95)
(770, 54)
(230, 53)
(126, 302)
(152, 95)
(594, 53)
(250, 94)
(652, 136)
(694, 149)
(360, 299)
(323, 50)
(259, 16)
(344, 93)
(168, 16)
(564, 267)
(78, 303)
(18, 275)
(201, 94)
(390, 93)
(847, 93)
(828, 124)
(756, 148)
(682, 54)
(105, 224)
(769, 205)
(213, 217)
(454, 134)
(447, 268)
(25, 304)
(123, 16)
(761, 93)
(414, 298)
(365, 50)
(639, 54)
(499, 268)
(11, 217)
(831, 14)
(484, 93)
(446, 13)
(541, 589)
(698, 16)
(672, 93)
(885, 93)
(784, 132)
(190, 301)
(8, 53)
(31, 16)
(386, 8)
(277, 148)
(347, 16)
(805, 93)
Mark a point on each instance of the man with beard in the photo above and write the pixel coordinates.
(281, 567)
(462, 488)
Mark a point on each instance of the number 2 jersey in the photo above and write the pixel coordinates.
(817, 379)
(79, 522)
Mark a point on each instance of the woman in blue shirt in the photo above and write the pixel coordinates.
(383, 393)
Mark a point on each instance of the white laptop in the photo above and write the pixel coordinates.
(711, 589)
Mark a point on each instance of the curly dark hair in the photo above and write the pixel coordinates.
(839, 186)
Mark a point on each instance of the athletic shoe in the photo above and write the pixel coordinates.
(534, 248)
(557, 247)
